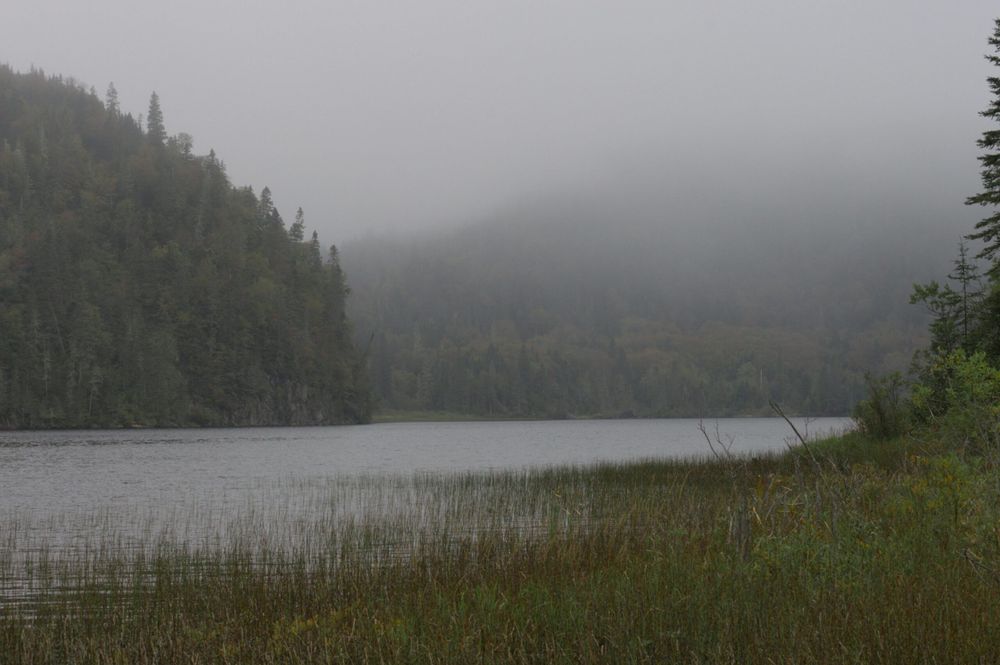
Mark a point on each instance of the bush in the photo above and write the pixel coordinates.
(882, 415)
(960, 394)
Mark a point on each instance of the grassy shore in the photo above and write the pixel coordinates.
(858, 552)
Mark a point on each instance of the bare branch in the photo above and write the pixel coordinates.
(777, 409)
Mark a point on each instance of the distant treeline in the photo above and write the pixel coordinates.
(580, 313)
(139, 287)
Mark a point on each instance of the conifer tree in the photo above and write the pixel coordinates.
(111, 100)
(988, 229)
(315, 256)
(266, 204)
(155, 131)
(966, 275)
(297, 230)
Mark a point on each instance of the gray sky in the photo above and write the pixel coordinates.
(389, 116)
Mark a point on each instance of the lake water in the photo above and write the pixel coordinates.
(82, 497)
(45, 473)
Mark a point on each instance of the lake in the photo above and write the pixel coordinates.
(49, 472)
(86, 497)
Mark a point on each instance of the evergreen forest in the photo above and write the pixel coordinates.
(139, 287)
(603, 304)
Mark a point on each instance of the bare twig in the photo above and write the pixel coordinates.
(805, 444)
(722, 451)
(740, 526)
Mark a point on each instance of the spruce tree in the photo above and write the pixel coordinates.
(988, 229)
(111, 100)
(155, 131)
(298, 228)
(970, 291)
(266, 205)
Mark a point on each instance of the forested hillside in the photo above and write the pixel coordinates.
(139, 287)
(629, 303)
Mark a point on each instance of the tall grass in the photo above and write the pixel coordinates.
(864, 554)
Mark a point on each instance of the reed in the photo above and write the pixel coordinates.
(866, 552)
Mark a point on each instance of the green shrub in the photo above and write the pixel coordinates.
(960, 395)
(883, 415)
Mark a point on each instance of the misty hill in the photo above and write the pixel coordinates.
(139, 287)
(645, 297)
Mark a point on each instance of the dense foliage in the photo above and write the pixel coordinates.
(566, 313)
(957, 383)
(988, 228)
(955, 390)
(139, 287)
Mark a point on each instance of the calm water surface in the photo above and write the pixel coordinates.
(80, 498)
(47, 473)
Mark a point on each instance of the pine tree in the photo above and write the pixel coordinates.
(988, 229)
(297, 231)
(315, 257)
(111, 100)
(987, 310)
(955, 311)
(155, 131)
(266, 205)
(966, 274)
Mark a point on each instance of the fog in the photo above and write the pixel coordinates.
(392, 117)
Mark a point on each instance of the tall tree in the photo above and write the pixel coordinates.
(966, 275)
(155, 131)
(298, 228)
(988, 228)
(266, 205)
(111, 99)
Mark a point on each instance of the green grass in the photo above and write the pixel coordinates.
(862, 552)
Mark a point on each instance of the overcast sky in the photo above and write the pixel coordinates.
(390, 116)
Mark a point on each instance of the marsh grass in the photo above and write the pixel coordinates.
(869, 552)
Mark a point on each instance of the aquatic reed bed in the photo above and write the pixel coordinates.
(842, 557)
